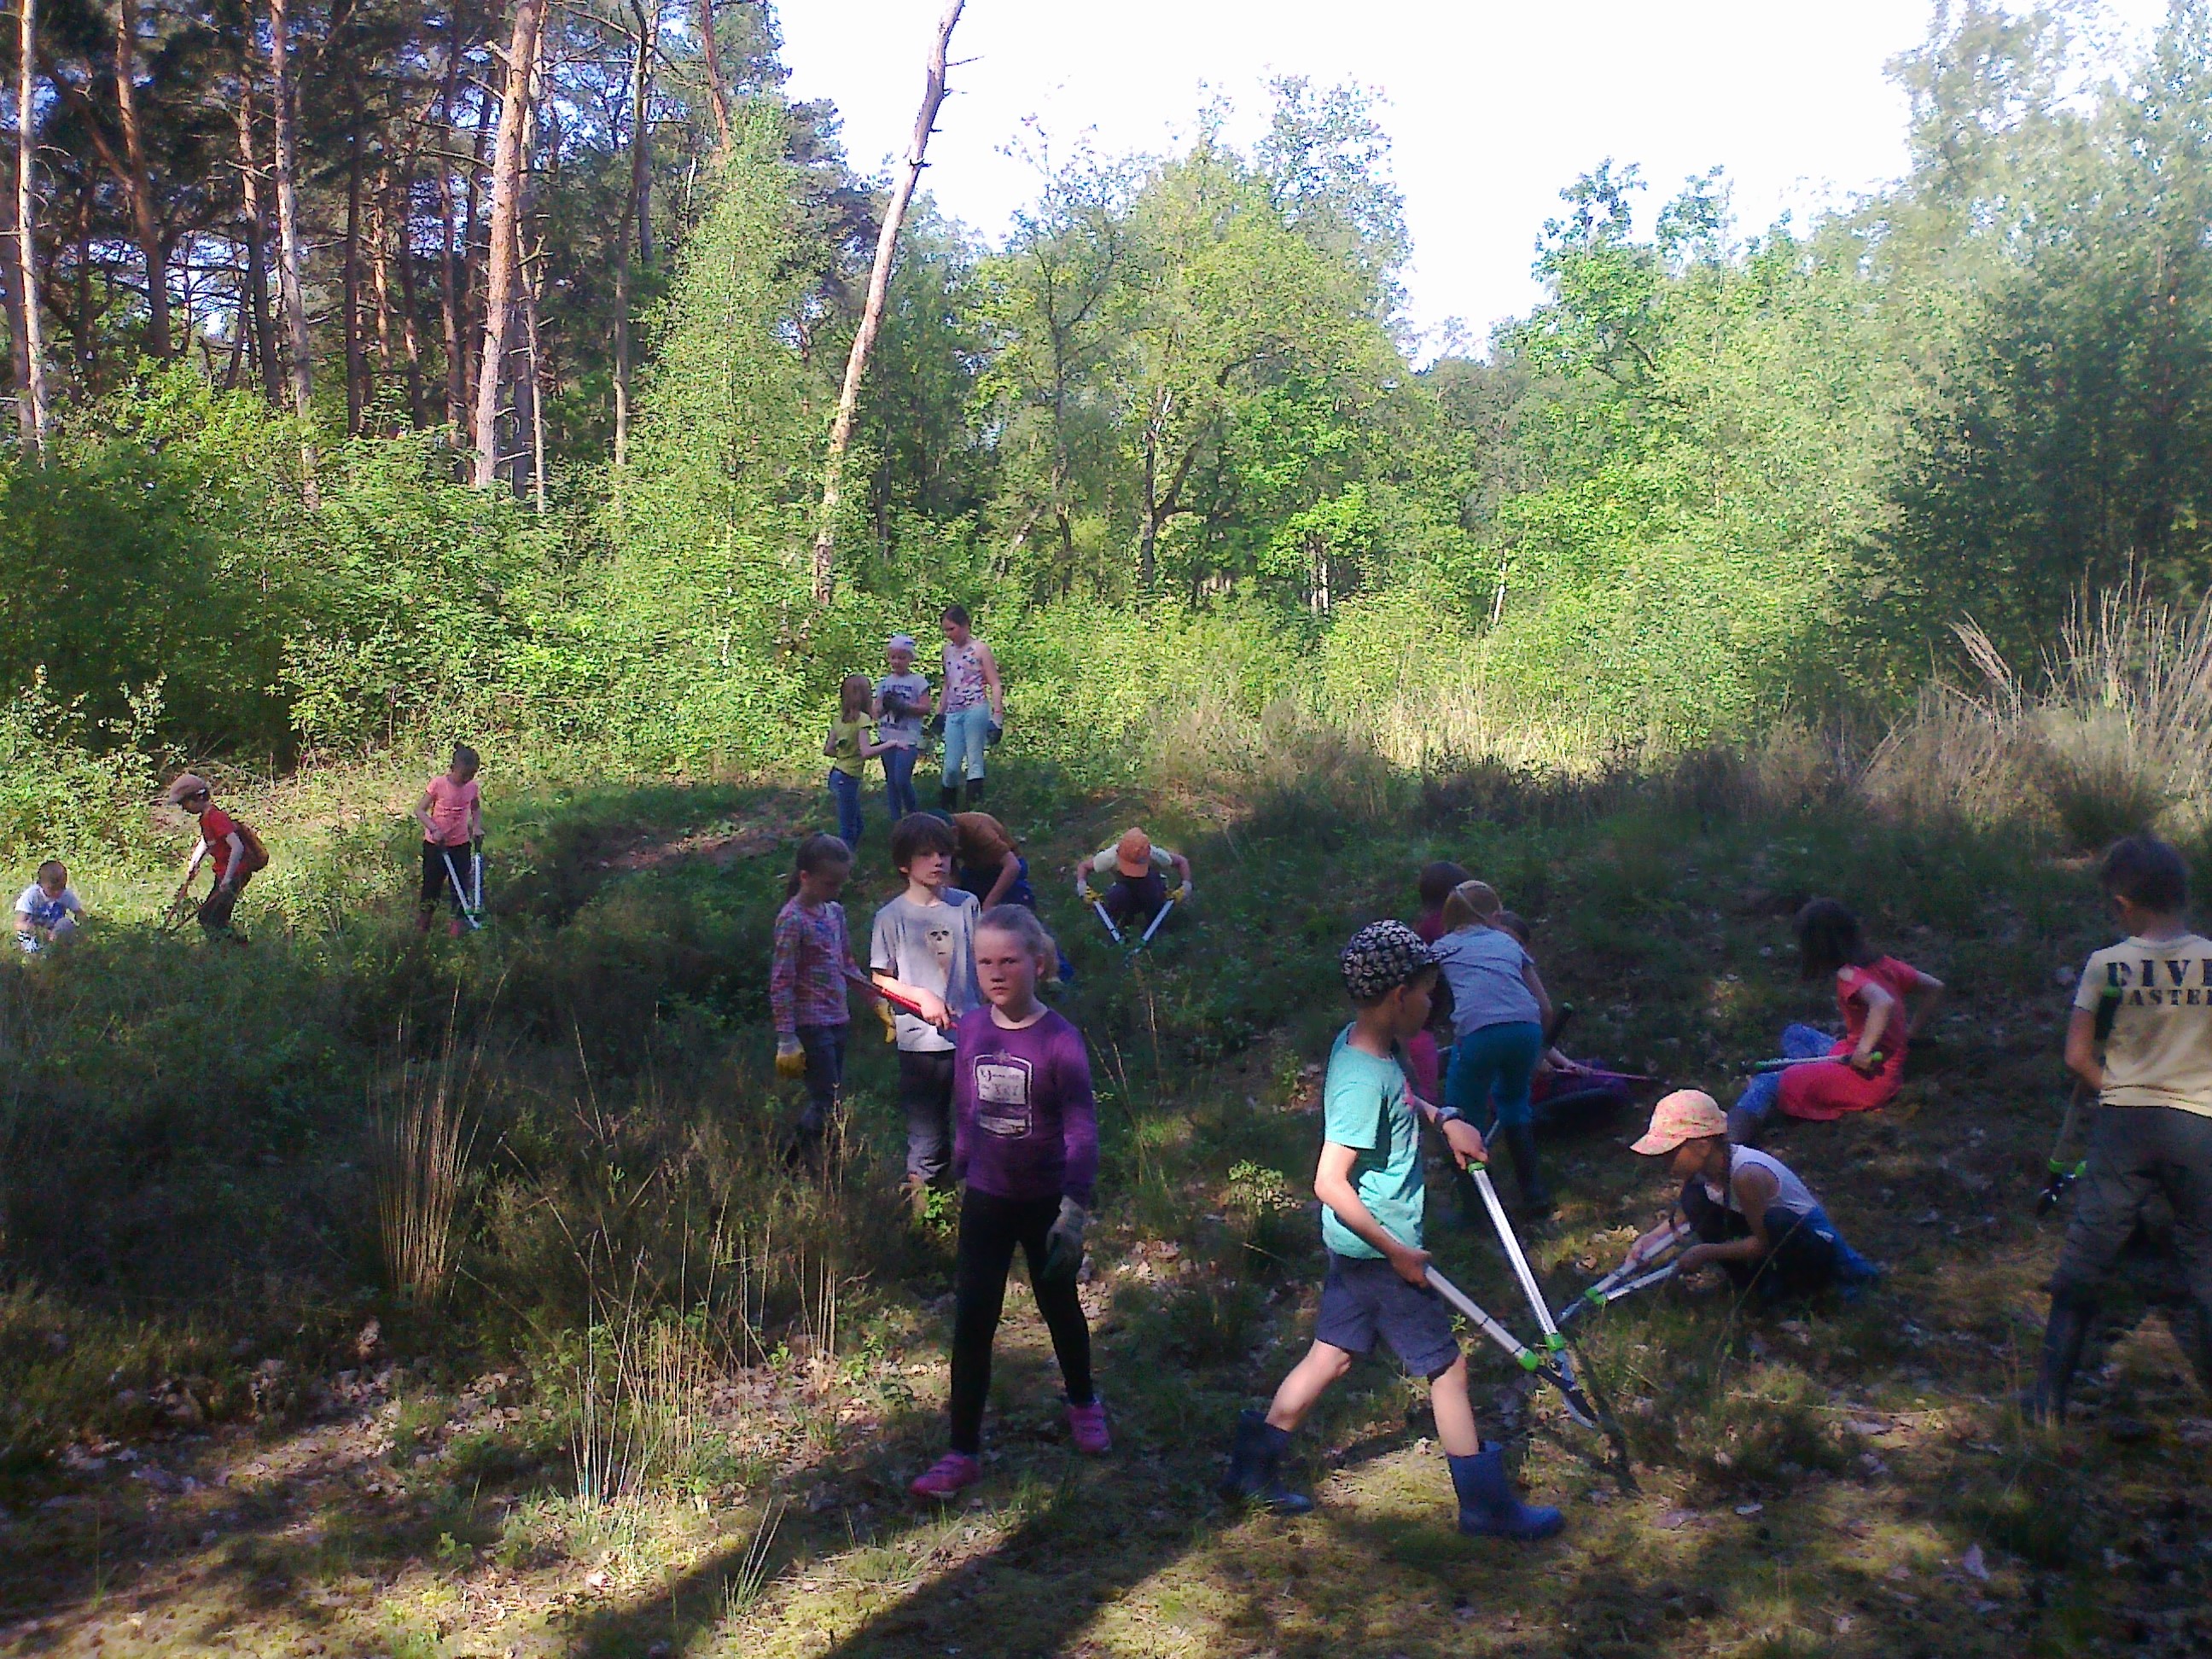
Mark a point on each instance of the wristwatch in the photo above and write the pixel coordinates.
(1449, 1114)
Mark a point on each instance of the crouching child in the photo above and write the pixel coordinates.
(1370, 1183)
(1753, 1217)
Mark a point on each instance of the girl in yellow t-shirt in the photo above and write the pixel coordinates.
(849, 748)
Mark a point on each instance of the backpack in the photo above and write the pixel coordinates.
(252, 855)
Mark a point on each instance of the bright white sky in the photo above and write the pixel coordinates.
(1492, 108)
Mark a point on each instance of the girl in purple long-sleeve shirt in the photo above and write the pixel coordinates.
(1025, 1137)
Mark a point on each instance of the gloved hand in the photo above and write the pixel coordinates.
(790, 1058)
(997, 732)
(1064, 1243)
(891, 1021)
(1182, 895)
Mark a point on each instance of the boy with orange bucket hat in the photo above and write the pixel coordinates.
(1753, 1217)
(1138, 889)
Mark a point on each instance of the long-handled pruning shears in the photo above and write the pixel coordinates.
(1636, 1273)
(1161, 917)
(1553, 1370)
(1761, 1068)
(467, 894)
(2061, 1175)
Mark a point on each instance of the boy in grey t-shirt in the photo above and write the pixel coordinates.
(922, 948)
(902, 704)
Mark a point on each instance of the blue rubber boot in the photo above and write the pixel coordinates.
(1487, 1506)
(1256, 1468)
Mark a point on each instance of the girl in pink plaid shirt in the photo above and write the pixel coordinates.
(806, 978)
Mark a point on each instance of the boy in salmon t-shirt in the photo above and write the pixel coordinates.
(451, 813)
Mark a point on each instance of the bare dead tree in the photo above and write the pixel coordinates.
(871, 314)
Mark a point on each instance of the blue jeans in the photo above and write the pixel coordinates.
(825, 1075)
(1492, 1066)
(1748, 1117)
(845, 791)
(967, 731)
(898, 780)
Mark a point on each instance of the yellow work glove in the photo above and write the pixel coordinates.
(790, 1058)
(890, 1024)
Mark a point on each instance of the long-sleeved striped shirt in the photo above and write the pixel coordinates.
(807, 975)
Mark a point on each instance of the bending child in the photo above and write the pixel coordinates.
(1025, 1140)
(921, 949)
(1499, 1011)
(2152, 1135)
(1753, 1219)
(1139, 887)
(451, 813)
(1884, 1003)
(48, 910)
(811, 964)
(1370, 1184)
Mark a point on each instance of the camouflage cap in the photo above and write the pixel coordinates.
(1382, 957)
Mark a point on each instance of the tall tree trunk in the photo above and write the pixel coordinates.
(87, 337)
(472, 265)
(11, 299)
(621, 344)
(533, 274)
(449, 297)
(356, 369)
(718, 93)
(871, 314)
(641, 126)
(640, 90)
(35, 415)
(287, 234)
(505, 250)
(137, 184)
(256, 232)
(403, 254)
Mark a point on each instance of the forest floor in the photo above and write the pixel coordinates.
(1822, 1480)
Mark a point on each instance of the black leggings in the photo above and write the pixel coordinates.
(435, 881)
(989, 1228)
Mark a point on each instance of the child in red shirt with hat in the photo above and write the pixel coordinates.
(236, 851)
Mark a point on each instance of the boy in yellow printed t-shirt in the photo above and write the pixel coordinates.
(2153, 1131)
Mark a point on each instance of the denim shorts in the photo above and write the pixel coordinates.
(1362, 1299)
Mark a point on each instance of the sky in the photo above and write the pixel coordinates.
(1491, 108)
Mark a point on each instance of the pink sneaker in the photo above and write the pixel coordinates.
(947, 1476)
(1088, 1424)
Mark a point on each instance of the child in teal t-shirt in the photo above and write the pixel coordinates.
(1367, 1105)
(1369, 1182)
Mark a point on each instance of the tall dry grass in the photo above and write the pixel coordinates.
(2109, 732)
(2108, 735)
(420, 1167)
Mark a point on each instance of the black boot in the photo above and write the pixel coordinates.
(2071, 1321)
(1256, 1468)
(1520, 1140)
(948, 796)
(2191, 1324)
(975, 794)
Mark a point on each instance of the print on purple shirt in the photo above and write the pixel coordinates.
(1025, 1125)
